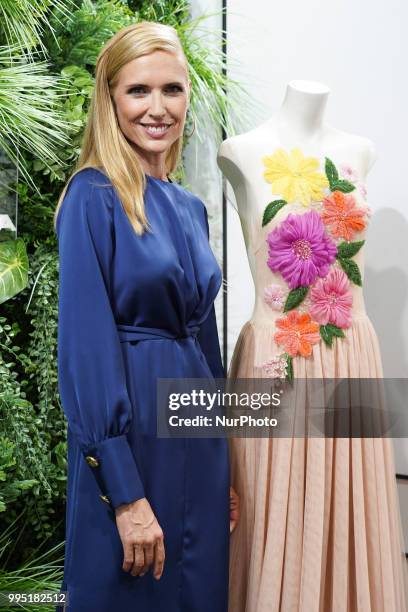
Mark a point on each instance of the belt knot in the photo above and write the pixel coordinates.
(129, 333)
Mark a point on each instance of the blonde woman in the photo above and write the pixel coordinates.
(147, 518)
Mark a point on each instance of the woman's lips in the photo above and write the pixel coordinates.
(156, 131)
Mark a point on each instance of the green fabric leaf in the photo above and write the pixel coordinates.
(351, 269)
(349, 249)
(271, 210)
(336, 183)
(329, 331)
(342, 185)
(326, 335)
(295, 297)
(334, 330)
(331, 171)
(289, 369)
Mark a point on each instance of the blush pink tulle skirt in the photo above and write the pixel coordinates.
(320, 525)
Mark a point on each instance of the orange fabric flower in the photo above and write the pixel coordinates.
(298, 333)
(342, 215)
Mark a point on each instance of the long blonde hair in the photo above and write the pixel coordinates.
(104, 145)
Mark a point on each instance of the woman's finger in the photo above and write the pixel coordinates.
(159, 556)
(148, 558)
(128, 556)
(139, 559)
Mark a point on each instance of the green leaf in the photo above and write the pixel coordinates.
(336, 183)
(295, 297)
(329, 331)
(289, 369)
(331, 171)
(335, 331)
(326, 335)
(271, 210)
(342, 185)
(14, 267)
(71, 70)
(349, 249)
(351, 269)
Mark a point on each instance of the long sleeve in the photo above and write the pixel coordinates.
(208, 334)
(91, 373)
(209, 342)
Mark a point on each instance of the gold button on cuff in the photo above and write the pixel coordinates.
(105, 498)
(92, 461)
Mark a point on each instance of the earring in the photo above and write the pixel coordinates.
(193, 130)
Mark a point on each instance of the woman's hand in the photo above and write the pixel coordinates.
(142, 538)
(234, 509)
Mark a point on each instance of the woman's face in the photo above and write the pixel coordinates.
(151, 99)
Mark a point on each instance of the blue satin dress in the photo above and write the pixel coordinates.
(132, 309)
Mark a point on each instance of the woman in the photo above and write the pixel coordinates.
(147, 518)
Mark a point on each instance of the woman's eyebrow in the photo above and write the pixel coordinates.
(179, 83)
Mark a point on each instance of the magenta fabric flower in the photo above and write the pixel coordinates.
(300, 249)
(332, 300)
(275, 296)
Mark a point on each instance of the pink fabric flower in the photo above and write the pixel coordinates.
(275, 296)
(348, 173)
(276, 368)
(300, 249)
(332, 300)
(362, 189)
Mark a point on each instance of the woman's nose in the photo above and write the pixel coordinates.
(156, 104)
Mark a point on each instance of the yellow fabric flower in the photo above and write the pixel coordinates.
(294, 176)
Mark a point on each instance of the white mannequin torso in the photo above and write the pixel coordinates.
(298, 123)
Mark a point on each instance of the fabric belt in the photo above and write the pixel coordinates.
(129, 333)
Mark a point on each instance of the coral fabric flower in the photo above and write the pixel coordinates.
(342, 215)
(332, 300)
(294, 176)
(274, 296)
(300, 249)
(298, 333)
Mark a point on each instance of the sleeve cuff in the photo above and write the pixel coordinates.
(115, 470)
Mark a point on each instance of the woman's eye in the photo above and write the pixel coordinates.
(140, 89)
(174, 88)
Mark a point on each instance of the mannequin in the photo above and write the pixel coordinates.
(298, 122)
(320, 529)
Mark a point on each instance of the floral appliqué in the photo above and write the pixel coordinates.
(275, 296)
(276, 368)
(295, 176)
(313, 251)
